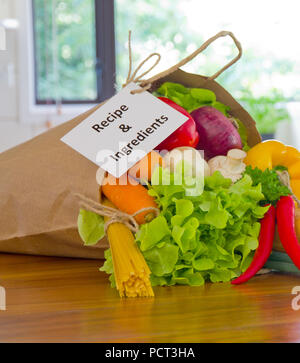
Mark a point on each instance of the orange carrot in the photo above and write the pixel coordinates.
(129, 198)
(144, 168)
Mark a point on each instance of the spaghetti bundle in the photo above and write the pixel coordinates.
(130, 268)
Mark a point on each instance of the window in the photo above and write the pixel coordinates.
(74, 58)
(266, 80)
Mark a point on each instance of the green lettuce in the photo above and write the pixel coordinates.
(190, 98)
(209, 236)
(90, 227)
(243, 134)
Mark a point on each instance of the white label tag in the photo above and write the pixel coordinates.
(123, 130)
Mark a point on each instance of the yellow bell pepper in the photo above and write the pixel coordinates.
(268, 154)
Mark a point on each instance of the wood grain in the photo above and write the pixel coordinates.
(69, 300)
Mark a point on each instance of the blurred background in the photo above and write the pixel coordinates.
(64, 56)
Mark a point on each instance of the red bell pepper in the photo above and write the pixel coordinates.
(266, 237)
(185, 135)
(286, 228)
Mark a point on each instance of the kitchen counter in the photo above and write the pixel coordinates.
(68, 300)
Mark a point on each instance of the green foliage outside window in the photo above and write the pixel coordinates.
(167, 31)
(65, 49)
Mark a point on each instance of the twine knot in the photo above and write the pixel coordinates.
(114, 215)
(132, 77)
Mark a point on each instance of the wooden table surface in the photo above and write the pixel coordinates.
(68, 300)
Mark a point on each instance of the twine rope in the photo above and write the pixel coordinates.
(133, 77)
(114, 215)
(146, 84)
(284, 177)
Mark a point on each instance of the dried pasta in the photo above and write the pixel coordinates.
(130, 268)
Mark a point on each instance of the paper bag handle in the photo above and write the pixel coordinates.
(146, 84)
(186, 60)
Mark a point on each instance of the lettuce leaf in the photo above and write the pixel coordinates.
(216, 233)
(190, 98)
(206, 237)
(108, 267)
(90, 227)
(243, 134)
(162, 260)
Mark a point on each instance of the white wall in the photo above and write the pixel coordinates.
(11, 131)
(20, 118)
(8, 62)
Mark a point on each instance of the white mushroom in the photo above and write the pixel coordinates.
(189, 155)
(234, 161)
(216, 163)
(230, 166)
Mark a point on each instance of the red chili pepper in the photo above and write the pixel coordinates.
(266, 237)
(286, 228)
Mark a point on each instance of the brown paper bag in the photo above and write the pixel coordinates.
(38, 211)
(38, 179)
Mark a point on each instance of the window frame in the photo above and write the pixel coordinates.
(105, 63)
(37, 114)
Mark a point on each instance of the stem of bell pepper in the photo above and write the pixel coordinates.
(266, 237)
(286, 228)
